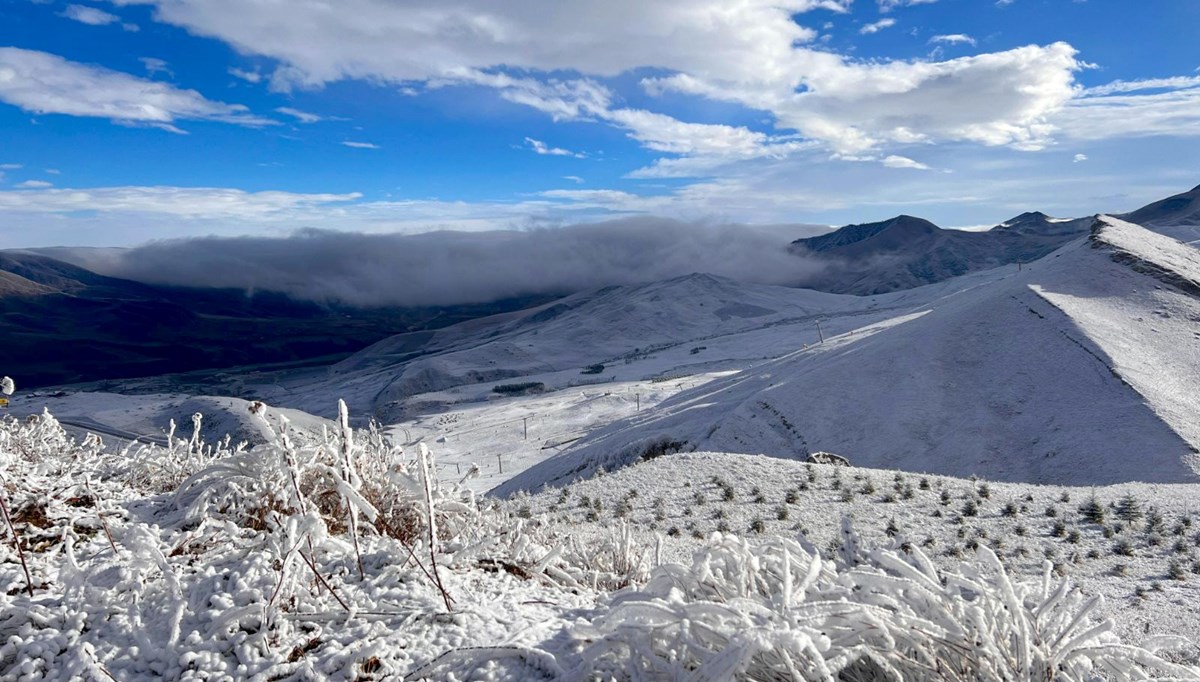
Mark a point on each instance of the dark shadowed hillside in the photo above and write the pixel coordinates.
(64, 324)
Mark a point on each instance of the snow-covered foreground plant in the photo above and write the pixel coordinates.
(334, 555)
(776, 610)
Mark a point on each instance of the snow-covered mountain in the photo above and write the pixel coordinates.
(681, 325)
(1176, 216)
(1077, 369)
(905, 252)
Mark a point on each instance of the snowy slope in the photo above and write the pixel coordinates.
(615, 326)
(1078, 369)
(148, 417)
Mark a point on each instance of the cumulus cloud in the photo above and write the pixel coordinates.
(757, 57)
(44, 83)
(445, 268)
(1079, 158)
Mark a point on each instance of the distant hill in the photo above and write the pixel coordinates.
(1176, 216)
(1181, 209)
(906, 252)
(1080, 369)
(61, 323)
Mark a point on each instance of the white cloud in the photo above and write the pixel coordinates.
(876, 27)
(360, 145)
(89, 15)
(34, 184)
(895, 161)
(1117, 87)
(953, 39)
(44, 83)
(889, 5)
(761, 56)
(11, 166)
(542, 149)
(301, 116)
(248, 76)
(573, 178)
(1079, 158)
(166, 202)
(417, 41)
(155, 65)
(1002, 98)
(53, 171)
(1174, 112)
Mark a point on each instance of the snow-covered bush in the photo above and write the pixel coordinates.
(776, 610)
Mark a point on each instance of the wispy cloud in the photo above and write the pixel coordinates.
(953, 39)
(889, 5)
(89, 15)
(248, 76)
(876, 27)
(34, 184)
(301, 116)
(155, 65)
(542, 149)
(895, 161)
(1118, 87)
(44, 83)
(360, 145)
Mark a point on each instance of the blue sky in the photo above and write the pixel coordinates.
(133, 120)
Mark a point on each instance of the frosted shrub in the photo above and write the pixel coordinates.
(776, 610)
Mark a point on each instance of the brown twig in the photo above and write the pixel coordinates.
(321, 580)
(17, 543)
(103, 522)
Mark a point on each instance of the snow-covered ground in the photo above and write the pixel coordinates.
(338, 558)
(505, 436)
(682, 497)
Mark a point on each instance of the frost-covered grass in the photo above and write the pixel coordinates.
(335, 555)
(1145, 560)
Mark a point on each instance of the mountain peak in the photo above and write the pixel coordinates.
(1181, 209)
(893, 231)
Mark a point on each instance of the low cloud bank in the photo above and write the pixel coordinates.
(448, 268)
